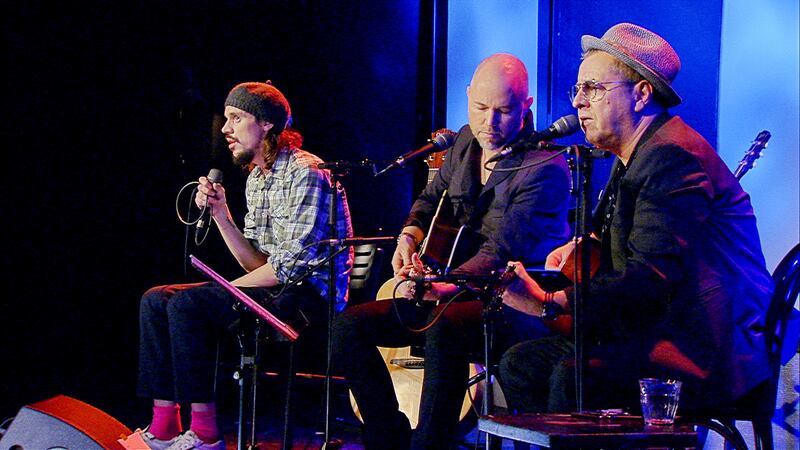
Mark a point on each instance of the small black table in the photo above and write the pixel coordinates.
(572, 431)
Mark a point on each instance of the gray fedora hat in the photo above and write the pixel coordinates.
(643, 51)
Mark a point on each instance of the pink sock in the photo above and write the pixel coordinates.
(204, 424)
(166, 422)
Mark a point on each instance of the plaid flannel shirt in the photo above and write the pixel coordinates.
(287, 212)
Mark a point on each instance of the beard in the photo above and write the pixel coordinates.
(490, 144)
(267, 149)
(243, 158)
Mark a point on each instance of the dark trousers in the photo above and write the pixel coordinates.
(181, 324)
(454, 340)
(538, 376)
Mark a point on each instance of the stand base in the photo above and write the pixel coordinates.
(333, 444)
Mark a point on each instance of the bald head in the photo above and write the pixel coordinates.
(503, 70)
(498, 100)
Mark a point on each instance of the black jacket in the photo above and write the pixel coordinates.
(521, 215)
(683, 284)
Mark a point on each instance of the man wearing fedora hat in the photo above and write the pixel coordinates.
(682, 288)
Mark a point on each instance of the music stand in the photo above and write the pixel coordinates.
(282, 327)
(550, 280)
(285, 330)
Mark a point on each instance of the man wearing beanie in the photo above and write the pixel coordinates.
(287, 212)
(682, 290)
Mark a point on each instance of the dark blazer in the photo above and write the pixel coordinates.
(683, 284)
(522, 215)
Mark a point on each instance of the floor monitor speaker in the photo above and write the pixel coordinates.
(63, 422)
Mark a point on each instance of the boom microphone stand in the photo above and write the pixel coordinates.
(337, 169)
(581, 165)
(491, 297)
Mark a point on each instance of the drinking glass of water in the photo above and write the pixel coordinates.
(659, 399)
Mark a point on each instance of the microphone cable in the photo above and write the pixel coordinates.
(525, 166)
(189, 222)
(292, 280)
(434, 320)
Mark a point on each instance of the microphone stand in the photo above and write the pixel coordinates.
(344, 166)
(335, 172)
(337, 169)
(492, 301)
(492, 306)
(286, 443)
(581, 165)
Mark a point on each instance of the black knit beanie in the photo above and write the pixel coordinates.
(262, 100)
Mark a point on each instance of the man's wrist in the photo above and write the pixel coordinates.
(225, 221)
(409, 234)
(550, 309)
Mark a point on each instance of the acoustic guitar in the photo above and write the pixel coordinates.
(436, 251)
(563, 324)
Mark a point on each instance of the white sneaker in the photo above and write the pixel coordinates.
(190, 441)
(145, 440)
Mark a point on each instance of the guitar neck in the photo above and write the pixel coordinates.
(434, 162)
(752, 154)
(432, 174)
(741, 169)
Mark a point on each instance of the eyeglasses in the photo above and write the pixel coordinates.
(593, 90)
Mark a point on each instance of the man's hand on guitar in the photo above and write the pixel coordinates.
(407, 244)
(523, 293)
(402, 278)
(407, 277)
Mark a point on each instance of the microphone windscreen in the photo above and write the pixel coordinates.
(567, 125)
(444, 138)
(214, 176)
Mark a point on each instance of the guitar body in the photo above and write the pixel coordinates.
(408, 381)
(447, 246)
(563, 323)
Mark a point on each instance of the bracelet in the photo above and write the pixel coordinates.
(550, 309)
(406, 233)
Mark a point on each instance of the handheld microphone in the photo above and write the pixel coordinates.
(564, 126)
(214, 176)
(443, 139)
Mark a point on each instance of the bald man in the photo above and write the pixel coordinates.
(516, 213)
